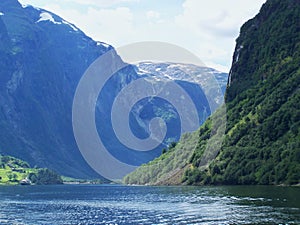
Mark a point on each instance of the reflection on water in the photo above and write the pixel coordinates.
(109, 204)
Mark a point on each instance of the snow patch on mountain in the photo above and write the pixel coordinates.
(213, 82)
(71, 25)
(103, 44)
(141, 71)
(45, 16)
(178, 71)
(24, 5)
(27, 5)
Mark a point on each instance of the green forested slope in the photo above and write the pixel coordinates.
(13, 170)
(261, 144)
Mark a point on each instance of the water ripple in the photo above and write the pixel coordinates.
(140, 205)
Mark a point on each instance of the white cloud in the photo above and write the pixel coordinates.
(206, 28)
(111, 24)
(101, 3)
(154, 18)
(217, 17)
(107, 25)
(215, 25)
(152, 15)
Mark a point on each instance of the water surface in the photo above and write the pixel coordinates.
(113, 204)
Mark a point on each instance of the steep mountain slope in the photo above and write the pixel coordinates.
(194, 83)
(261, 143)
(43, 57)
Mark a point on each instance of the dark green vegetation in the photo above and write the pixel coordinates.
(261, 144)
(13, 170)
(45, 176)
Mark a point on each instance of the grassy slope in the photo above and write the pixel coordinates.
(13, 170)
(170, 167)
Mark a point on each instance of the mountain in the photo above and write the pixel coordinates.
(261, 141)
(43, 58)
(190, 78)
(188, 73)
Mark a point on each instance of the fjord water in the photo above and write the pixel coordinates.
(113, 204)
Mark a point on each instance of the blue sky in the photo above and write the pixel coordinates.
(206, 28)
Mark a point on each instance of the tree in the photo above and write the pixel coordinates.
(12, 177)
(45, 176)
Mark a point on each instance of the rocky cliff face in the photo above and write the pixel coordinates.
(43, 58)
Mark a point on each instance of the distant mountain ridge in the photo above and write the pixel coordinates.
(43, 57)
(188, 73)
(261, 143)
